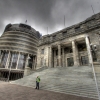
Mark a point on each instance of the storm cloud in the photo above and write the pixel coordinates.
(41, 14)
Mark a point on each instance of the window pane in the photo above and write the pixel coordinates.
(4, 59)
(13, 60)
(42, 51)
(22, 60)
(84, 60)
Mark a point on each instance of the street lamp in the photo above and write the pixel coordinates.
(93, 48)
(94, 51)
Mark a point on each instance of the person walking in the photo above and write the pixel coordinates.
(37, 82)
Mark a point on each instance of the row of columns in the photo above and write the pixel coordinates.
(75, 54)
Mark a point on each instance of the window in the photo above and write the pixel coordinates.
(56, 52)
(13, 60)
(22, 60)
(4, 59)
(30, 62)
(70, 61)
(42, 51)
(84, 60)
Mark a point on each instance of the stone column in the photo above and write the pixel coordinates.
(88, 50)
(8, 59)
(75, 54)
(59, 54)
(50, 57)
(18, 60)
(63, 57)
(27, 68)
(54, 58)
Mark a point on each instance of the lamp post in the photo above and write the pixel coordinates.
(95, 49)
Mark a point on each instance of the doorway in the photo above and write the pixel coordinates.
(70, 61)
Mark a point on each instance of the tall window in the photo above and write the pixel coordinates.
(4, 59)
(22, 60)
(84, 60)
(70, 61)
(30, 62)
(42, 51)
(56, 52)
(13, 60)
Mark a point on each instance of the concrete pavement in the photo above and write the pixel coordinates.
(15, 92)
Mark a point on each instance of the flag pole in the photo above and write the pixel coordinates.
(64, 21)
(47, 30)
(92, 9)
(26, 22)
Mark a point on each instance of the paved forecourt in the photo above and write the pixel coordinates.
(15, 92)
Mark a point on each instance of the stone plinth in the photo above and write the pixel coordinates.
(27, 71)
(97, 67)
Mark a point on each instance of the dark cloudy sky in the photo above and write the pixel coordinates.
(41, 14)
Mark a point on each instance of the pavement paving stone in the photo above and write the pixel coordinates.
(15, 92)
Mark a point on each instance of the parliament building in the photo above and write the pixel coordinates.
(24, 50)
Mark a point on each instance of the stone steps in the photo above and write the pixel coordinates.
(71, 80)
(95, 96)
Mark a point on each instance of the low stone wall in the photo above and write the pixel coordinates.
(97, 67)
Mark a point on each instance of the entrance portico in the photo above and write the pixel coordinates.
(72, 53)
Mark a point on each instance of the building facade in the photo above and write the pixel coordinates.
(72, 46)
(18, 45)
(23, 49)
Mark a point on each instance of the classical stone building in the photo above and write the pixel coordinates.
(77, 45)
(72, 46)
(18, 46)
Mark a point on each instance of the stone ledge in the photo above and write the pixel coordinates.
(96, 63)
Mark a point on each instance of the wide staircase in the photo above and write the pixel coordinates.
(69, 80)
(98, 81)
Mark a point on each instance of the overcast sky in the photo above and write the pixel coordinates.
(41, 14)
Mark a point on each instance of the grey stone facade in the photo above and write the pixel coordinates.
(18, 46)
(71, 46)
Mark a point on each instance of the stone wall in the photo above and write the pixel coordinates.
(77, 33)
(44, 56)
